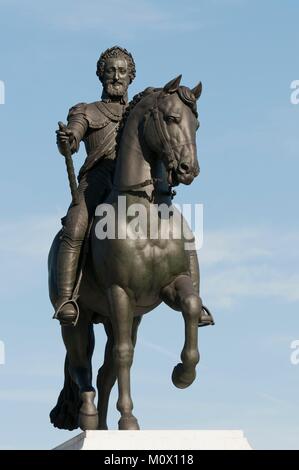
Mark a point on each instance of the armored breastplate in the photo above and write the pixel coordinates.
(100, 137)
(101, 140)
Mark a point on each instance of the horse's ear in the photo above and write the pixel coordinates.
(197, 90)
(173, 85)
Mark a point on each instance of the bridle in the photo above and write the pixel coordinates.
(167, 152)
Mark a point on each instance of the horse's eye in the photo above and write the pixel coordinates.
(170, 119)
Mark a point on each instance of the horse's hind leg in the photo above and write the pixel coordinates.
(79, 342)
(121, 312)
(107, 373)
(180, 294)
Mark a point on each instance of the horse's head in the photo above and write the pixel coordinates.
(170, 129)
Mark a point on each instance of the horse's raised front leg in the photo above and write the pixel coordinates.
(121, 312)
(181, 295)
(79, 343)
(107, 374)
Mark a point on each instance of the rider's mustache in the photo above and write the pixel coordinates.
(115, 82)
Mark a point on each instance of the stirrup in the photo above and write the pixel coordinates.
(209, 320)
(70, 301)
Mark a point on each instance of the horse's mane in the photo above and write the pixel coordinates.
(135, 100)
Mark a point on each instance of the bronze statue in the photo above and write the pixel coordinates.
(121, 278)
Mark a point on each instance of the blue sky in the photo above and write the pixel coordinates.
(245, 53)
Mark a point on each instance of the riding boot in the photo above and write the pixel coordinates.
(67, 310)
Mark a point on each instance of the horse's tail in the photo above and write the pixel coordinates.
(65, 415)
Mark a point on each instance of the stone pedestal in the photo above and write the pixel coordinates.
(157, 440)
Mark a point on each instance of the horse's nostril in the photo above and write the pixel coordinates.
(184, 167)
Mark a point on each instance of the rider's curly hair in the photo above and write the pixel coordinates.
(116, 52)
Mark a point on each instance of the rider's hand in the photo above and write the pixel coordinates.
(64, 137)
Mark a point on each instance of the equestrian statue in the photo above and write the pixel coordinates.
(104, 267)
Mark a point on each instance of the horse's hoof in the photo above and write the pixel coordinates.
(181, 378)
(128, 424)
(88, 422)
(88, 414)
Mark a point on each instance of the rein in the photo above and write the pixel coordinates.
(132, 189)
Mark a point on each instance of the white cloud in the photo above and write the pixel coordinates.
(242, 263)
(234, 246)
(28, 236)
(229, 3)
(275, 401)
(113, 16)
(24, 246)
(230, 285)
(156, 348)
(27, 395)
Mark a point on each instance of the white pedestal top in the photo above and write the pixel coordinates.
(157, 440)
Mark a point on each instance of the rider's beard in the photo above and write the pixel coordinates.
(115, 89)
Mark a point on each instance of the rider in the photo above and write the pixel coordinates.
(96, 124)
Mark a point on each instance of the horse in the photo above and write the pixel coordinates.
(125, 277)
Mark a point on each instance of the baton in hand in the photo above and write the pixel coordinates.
(70, 168)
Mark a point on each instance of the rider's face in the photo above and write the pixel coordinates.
(116, 77)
